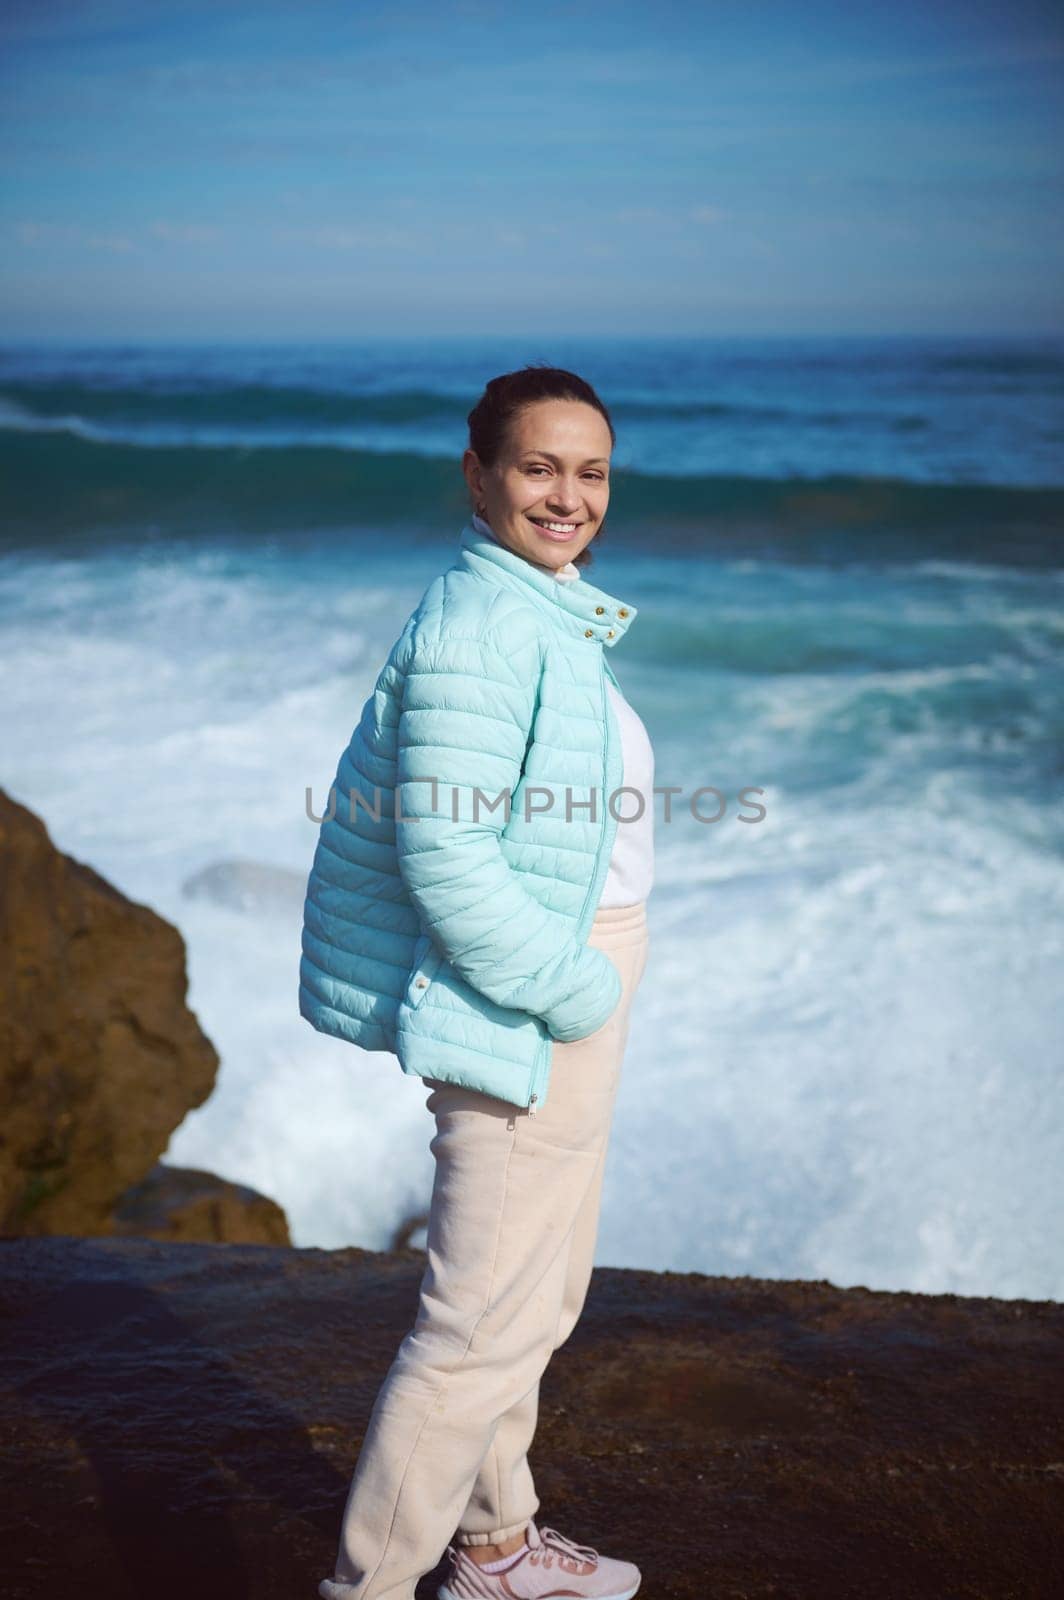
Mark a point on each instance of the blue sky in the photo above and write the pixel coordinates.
(306, 170)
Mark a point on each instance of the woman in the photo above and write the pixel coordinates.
(485, 920)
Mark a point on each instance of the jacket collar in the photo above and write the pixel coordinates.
(578, 608)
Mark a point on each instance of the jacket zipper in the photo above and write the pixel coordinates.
(542, 1066)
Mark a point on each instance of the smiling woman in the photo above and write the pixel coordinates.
(496, 947)
(538, 467)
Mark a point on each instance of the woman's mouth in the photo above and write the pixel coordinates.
(559, 531)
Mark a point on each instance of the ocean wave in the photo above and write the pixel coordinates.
(121, 412)
(58, 484)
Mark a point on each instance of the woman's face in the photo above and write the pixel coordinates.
(554, 468)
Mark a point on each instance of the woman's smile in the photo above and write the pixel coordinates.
(554, 529)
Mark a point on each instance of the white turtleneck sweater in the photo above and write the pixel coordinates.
(631, 870)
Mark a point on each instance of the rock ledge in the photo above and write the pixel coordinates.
(183, 1419)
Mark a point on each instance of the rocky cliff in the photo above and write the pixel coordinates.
(100, 1059)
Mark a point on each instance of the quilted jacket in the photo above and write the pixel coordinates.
(447, 921)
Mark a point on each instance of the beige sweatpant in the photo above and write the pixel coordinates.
(511, 1242)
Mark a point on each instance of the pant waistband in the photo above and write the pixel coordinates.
(621, 917)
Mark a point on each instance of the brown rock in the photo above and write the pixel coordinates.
(100, 1056)
(182, 1203)
(182, 1420)
(411, 1233)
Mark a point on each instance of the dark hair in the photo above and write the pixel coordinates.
(506, 396)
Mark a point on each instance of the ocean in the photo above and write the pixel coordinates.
(848, 561)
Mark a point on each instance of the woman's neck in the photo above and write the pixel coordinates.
(564, 574)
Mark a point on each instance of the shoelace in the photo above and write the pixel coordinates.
(557, 1542)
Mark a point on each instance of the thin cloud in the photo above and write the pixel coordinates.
(185, 232)
(342, 236)
(856, 72)
(113, 244)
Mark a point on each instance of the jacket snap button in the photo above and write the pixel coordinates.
(589, 633)
(422, 983)
(599, 610)
(610, 634)
(623, 612)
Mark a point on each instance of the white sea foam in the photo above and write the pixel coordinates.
(844, 1060)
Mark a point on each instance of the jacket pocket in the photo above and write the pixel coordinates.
(426, 964)
(457, 1003)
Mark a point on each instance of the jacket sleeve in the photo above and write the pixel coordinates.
(465, 720)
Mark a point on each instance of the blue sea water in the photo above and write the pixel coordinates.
(848, 560)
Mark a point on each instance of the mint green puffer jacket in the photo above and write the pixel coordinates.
(448, 928)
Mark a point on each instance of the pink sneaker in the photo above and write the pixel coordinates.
(551, 1566)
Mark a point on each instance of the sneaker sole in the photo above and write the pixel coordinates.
(444, 1593)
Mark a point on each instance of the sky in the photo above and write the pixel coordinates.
(228, 170)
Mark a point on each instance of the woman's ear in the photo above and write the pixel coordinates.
(472, 471)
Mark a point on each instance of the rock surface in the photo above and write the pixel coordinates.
(100, 1059)
(182, 1420)
(184, 1204)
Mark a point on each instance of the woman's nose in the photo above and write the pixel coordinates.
(564, 500)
